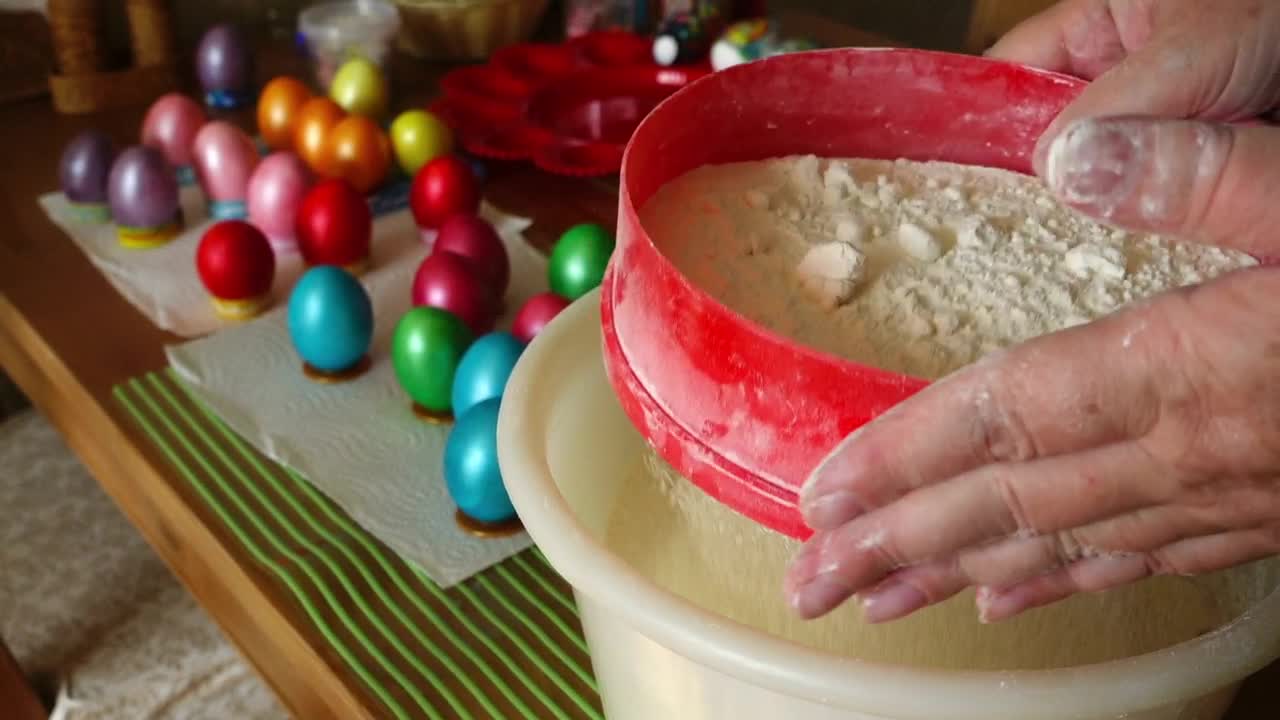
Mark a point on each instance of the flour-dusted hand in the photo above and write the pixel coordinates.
(1144, 443)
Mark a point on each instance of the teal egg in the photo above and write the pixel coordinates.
(471, 471)
(330, 319)
(483, 372)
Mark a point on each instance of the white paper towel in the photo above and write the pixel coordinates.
(162, 282)
(358, 442)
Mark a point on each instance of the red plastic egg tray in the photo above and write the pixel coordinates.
(569, 108)
(741, 411)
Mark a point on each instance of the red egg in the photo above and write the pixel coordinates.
(448, 282)
(442, 188)
(237, 266)
(475, 239)
(535, 314)
(335, 226)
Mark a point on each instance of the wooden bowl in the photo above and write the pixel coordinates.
(461, 30)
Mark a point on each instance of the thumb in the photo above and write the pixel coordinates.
(1209, 182)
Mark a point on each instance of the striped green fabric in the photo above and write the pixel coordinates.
(505, 644)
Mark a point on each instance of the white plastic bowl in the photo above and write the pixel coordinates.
(563, 442)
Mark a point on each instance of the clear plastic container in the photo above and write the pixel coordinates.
(334, 32)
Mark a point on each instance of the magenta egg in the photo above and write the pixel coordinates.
(474, 238)
(171, 126)
(449, 282)
(225, 158)
(276, 190)
(536, 313)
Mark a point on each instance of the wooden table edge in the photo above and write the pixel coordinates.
(186, 541)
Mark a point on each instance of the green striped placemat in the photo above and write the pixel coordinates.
(505, 644)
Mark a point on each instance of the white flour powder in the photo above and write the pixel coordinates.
(918, 268)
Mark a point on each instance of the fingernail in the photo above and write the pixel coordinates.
(982, 601)
(995, 606)
(819, 595)
(892, 602)
(830, 511)
(1091, 164)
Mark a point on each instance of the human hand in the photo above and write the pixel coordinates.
(1147, 442)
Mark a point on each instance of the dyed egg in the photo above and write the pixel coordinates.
(171, 126)
(224, 64)
(484, 370)
(83, 172)
(474, 238)
(237, 266)
(275, 193)
(316, 118)
(357, 151)
(225, 158)
(279, 107)
(330, 319)
(578, 260)
(534, 315)
(448, 282)
(425, 351)
(360, 87)
(334, 226)
(471, 471)
(418, 138)
(143, 194)
(442, 188)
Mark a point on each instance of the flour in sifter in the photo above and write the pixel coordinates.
(919, 268)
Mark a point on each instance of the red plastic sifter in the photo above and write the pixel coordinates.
(743, 412)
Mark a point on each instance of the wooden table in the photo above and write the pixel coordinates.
(67, 338)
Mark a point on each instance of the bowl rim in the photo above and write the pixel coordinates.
(1193, 668)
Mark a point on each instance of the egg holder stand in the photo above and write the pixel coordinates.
(568, 108)
(741, 411)
(359, 441)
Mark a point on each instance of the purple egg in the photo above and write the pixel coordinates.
(85, 167)
(143, 190)
(224, 61)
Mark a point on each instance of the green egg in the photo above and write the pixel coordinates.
(579, 259)
(426, 348)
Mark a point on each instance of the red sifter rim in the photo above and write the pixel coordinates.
(743, 412)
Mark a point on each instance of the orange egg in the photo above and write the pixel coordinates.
(316, 118)
(278, 110)
(357, 150)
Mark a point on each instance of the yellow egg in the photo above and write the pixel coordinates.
(360, 87)
(418, 138)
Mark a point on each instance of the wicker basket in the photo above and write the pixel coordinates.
(465, 29)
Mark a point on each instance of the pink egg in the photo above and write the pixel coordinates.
(171, 126)
(225, 158)
(276, 189)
